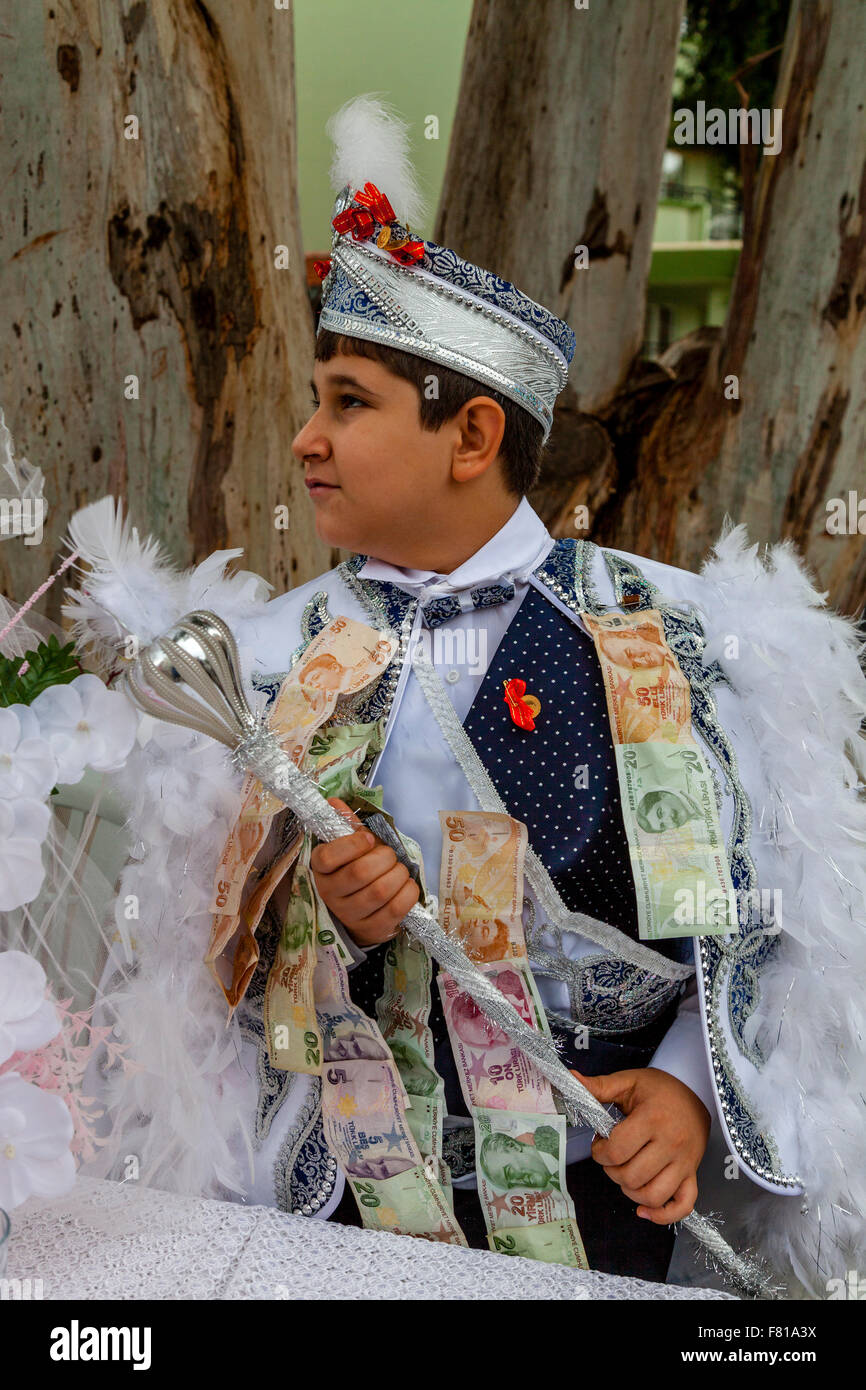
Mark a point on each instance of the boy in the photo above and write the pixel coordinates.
(428, 501)
(433, 394)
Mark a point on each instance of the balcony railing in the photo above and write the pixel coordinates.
(726, 216)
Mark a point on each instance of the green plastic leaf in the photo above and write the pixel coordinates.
(49, 664)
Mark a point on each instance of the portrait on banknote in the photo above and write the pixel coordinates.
(528, 1160)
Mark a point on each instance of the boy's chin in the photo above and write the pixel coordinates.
(341, 537)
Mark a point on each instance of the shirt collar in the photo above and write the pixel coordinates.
(516, 549)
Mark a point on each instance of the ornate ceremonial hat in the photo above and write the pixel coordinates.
(383, 284)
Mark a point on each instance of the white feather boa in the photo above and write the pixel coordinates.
(179, 1110)
(798, 674)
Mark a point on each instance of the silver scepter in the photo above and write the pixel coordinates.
(199, 652)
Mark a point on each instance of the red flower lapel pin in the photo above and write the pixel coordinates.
(523, 708)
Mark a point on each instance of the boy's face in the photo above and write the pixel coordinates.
(383, 478)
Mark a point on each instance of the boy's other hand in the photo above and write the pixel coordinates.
(362, 882)
(654, 1153)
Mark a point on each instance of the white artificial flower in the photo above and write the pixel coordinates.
(27, 1019)
(23, 827)
(86, 725)
(27, 764)
(36, 1130)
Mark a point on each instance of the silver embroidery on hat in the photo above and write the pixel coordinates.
(428, 316)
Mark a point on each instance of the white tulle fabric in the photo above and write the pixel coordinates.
(120, 1240)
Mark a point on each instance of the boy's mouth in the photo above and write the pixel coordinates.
(318, 487)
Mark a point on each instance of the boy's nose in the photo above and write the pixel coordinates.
(310, 441)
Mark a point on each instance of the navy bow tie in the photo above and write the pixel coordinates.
(448, 606)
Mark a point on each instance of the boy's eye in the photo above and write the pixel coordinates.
(345, 401)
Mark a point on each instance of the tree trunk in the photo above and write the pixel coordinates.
(155, 259)
(561, 123)
(559, 142)
(793, 340)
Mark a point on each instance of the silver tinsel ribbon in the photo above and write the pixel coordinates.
(199, 652)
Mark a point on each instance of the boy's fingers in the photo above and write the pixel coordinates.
(681, 1204)
(626, 1139)
(325, 858)
(638, 1172)
(358, 873)
(346, 812)
(374, 931)
(373, 896)
(382, 925)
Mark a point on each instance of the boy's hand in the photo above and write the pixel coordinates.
(362, 882)
(654, 1153)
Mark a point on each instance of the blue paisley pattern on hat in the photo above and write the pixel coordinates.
(501, 293)
(345, 297)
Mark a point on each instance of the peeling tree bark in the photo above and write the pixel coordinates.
(155, 258)
(559, 142)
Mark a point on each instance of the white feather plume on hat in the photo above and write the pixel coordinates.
(371, 142)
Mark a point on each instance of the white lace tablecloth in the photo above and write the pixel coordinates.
(108, 1240)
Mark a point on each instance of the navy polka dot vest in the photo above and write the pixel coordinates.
(560, 780)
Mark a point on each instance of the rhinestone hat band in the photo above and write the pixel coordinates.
(382, 285)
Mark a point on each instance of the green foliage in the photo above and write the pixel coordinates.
(720, 37)
(50, 664)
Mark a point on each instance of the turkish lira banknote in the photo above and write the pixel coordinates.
(648, 696)
(481, 883)
(520, 1164)
(494, 1073)
(679, 863)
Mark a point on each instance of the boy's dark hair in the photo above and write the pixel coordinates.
(521, 447)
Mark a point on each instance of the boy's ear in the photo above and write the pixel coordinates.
(480, 427)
